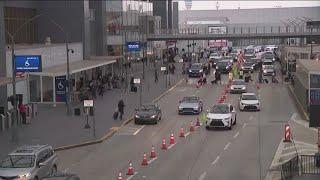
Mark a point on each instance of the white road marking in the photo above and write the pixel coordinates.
(171, 146)
(236, 135)
(251, 118)
(130, 177)
(187, 134)
(227, 146)
(244, 125)
(216, 160)
(304, 124)
(203, 175)
(293, 116)
(151, 160)
(135, 133)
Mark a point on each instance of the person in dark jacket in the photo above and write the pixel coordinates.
(121, 109)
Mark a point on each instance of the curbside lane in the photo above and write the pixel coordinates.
(113, 130)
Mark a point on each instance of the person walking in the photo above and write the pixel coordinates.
(155, 75)
(23, 109)
(121, 109)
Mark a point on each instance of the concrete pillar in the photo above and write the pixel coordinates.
(160, 8)
(170, 14)
(86, 30)
(3, 67)
(100, 30)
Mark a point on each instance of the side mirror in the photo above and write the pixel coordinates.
(41, 164)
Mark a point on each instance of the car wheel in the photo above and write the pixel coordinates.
(54, 169)
(136, 122)
(235, 120)
(230, 127)
(156, 121)
(207, 128)
(36, 178)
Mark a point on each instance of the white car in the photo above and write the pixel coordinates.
(215, 56)
(221, 115)
(249, 101)
(238, 86)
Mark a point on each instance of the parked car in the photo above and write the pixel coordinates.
(249, 101)
(190, 105)
(238, 86)
(196, 70)
(147, 114)
(221, 116)
(29, 162)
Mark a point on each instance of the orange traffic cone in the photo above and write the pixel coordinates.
(172, 141)
(191, 127)
(164, 145)
(120, 176)
(144, 161)
(224, 97)
(287, 133)
(181, 132)
(221, 100)
(130, 170)
(198, 122)
(153, 153)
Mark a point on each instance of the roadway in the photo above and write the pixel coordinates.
(219, 154)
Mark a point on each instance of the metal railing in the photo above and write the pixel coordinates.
(230, 30)
(309, 164)
(290, 169)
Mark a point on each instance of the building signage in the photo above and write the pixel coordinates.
(136, 80)
(133, 46)
(28, 63)
(88, 103)
(314, 80)
(61, 83)
(314, 100)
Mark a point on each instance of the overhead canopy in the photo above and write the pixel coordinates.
(77, 66)
(8, 80)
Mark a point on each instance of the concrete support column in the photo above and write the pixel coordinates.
(86, 30)
(3, 67)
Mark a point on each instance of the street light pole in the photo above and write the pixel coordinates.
(311, 49)
(68, 89)
(15, 109)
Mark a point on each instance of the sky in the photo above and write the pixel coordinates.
(211, 4)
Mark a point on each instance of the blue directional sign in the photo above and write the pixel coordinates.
(61, 83)
(133, 46)
(28, 63)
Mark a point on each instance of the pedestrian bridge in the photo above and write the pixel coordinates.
(236, 33)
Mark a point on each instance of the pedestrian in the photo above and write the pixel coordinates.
(241, 74)
(260, 76)
(121, 109)
(184, 68)
(173, 68)
(155, 75)
(101, 89)
(23, 109)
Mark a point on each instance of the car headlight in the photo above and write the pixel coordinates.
(196, 108)
(180, 108)
(273, 59)
(153, 116)
(217, 67)
(201, 70)
(190, 70)
(137, 116)
(243, 87)
(264, 71)
(273, 73)
(24, 176)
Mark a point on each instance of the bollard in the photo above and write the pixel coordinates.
(2, 124)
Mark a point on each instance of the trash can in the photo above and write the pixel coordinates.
(317, 157)
(77, 111)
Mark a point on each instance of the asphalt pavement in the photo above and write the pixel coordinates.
(245, 152)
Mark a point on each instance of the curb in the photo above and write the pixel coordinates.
(299, 103)
(114, 130)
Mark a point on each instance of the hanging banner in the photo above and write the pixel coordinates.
(28, 63)
(61, 83)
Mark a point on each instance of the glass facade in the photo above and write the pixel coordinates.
(124, 22)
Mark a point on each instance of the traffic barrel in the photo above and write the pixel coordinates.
(130, 170)
(191, 127)
(181, 132)
(144, 160)
(172, 141)
(164, 145)
(153, 153)
(287, 133)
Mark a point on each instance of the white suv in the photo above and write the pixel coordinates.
(249, 101)
(221, 115)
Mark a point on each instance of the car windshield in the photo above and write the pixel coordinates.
(220, 109)
(249, 51)
(248, 64)
(268, 67)
(190, 99)
(147, 108)
(17, 161)
(237, 82)
(249, 97)
(268, 56)
(267, 63)
(196, 66)
(222, 63)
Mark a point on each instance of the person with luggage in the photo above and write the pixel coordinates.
(23, 111)
(121, 109)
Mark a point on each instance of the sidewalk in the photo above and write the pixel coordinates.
(52, 126)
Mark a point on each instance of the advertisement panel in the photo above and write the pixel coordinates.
(28, 63)
(133, 46)
(217, 30)
(61, 83)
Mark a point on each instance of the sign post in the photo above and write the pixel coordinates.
(88, 105)
(138, 81)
